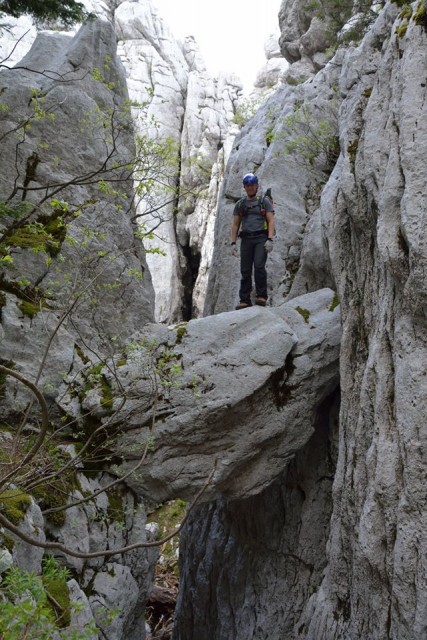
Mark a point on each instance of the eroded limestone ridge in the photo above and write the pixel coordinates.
(313, 523)
(355, 573)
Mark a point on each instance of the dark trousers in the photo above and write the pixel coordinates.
(253, 254)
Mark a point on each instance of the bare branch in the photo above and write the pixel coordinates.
(45, 418)
(108, 552)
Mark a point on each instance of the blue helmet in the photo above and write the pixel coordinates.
(250, 178)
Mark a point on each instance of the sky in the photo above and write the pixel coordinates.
(230, 33)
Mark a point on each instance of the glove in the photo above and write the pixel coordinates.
(269, 246)
(234, 250)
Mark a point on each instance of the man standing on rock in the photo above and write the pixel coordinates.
(255, 214)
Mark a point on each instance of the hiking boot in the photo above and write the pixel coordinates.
(243, 305)
(260, 301)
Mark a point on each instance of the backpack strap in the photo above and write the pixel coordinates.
(242, 209)
(262, 209)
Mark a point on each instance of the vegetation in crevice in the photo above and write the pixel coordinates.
(181, 330)
(247, 108)
(420, 14)
(352, 150)
(54, 578)
(310, 135)
(343, 22)
(29, 308)
(335, 302)
(115, 509)
(305, 313)
(93, 377)
(56, 492)
(25, 293)
(168, 516)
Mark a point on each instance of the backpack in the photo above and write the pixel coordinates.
(242, 210)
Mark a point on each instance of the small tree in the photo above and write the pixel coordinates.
(247, 108)
(312, 140)
(67, 11)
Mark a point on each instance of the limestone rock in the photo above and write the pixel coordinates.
(355, 576)
(6, 560)
(376, 259)
(97, 255)
(114, 586)
(82, 618)
(307, 31)
(246, 387)
(85, 295)
(196, 111)
(268, 550)
(294, 182)
(29, 557)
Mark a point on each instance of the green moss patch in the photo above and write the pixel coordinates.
(29, 308)
(57, 231)
(181, 330)
(401, 31)
(58, 590)
(352, 149)
(46, 234)
(93, 378)
(335, 302)
(49, 497)
(14, 504)
(54, 579)
(8, 542)
(305, 313)
(406, 12)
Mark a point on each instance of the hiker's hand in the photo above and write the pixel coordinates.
(234, 250)
(269, 246)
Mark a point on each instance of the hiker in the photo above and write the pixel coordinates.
(255, 216)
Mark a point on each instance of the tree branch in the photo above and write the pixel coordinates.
(108, 552)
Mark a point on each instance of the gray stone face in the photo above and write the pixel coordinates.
(258, 560)
(28, 557)
(84, 617)
(377, 259)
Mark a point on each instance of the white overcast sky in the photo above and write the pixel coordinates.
(230, 33)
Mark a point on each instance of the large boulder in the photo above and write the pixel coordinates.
(234, 394)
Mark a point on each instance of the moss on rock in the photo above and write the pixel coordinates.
(14, 504)
(305, 313)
